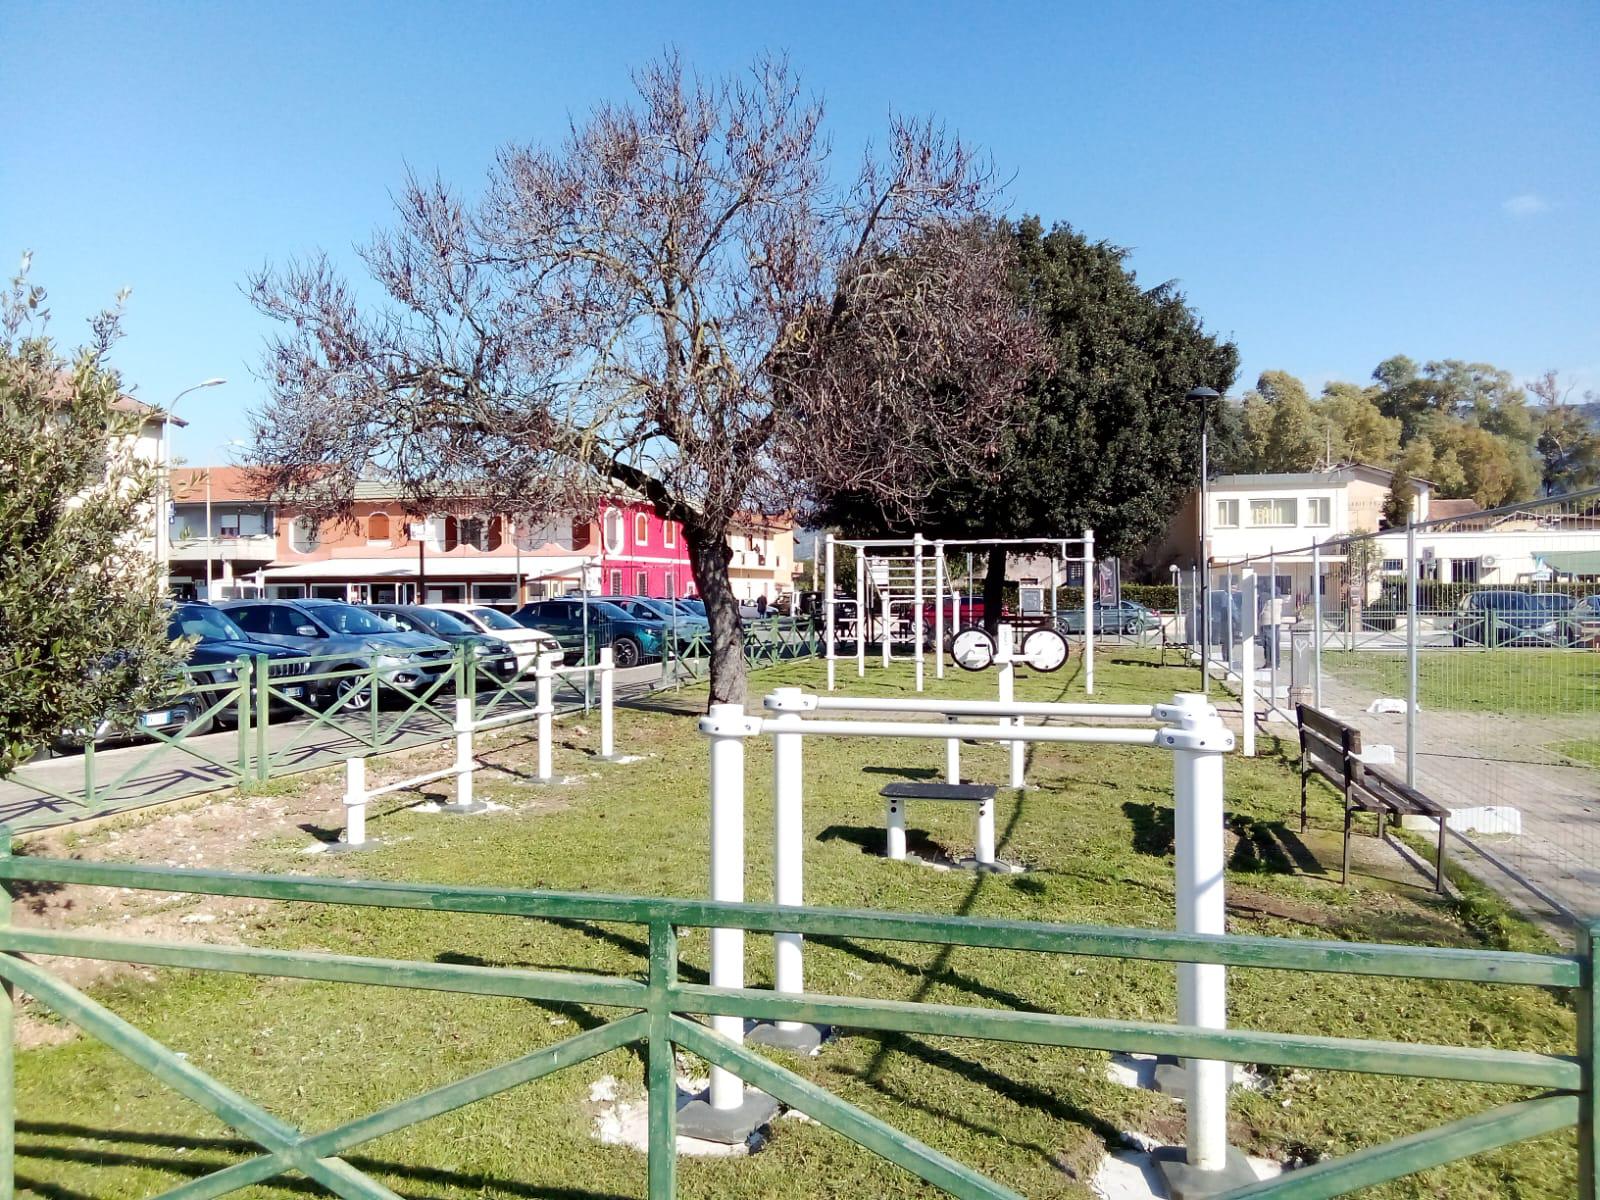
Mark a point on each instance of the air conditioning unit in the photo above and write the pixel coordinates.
(1487, 560)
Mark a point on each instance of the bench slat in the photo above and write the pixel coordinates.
(971, 792)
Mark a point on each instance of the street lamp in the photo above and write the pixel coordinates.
(1203, 396)
(164, 517)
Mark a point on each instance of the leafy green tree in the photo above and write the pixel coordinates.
(82, 620)
(1279, 428)
(1398, 504)
(1109, 441)
(1355, 428)
(1569, 441)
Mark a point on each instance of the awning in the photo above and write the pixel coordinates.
(440, 569)
(1571, 562)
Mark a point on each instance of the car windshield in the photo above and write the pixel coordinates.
(1505, 601)
(1550, 602)
(659, 609)
(347, 618)
(493, 618)
(611, 612)
(694, 608)
(207, 624)
(440, 622)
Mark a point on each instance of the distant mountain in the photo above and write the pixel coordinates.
(1592, 411)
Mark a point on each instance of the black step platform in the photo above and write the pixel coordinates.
(973, 793)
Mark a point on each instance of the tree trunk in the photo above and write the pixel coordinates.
(994, 585)
(709, 555)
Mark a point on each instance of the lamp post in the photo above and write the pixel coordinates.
(1203, 396)
(164, 514)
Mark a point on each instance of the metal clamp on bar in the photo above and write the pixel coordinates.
(790, 700)
(1219, 740)
(730, 724)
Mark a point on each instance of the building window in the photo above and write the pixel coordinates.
(1319, 510)
(378, 529)
(1227, 514)
(474, 532)
(304, 537)
(1464, 570)
(611, 524)
(1394, 566)
(581, 534)
(669, 534)
(441, 532)
(641, 583)
(669, 587)
(1283, 511)
(641, 529)
(616, 583)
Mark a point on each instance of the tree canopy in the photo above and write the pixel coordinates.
(82, 620)
(679, 299)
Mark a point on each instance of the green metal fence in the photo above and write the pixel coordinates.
(767, 642)
(662, 1011)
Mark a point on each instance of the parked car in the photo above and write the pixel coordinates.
(1125, 617)
(219, 643)
(527, 643)
(685, 623)
(1498, 617)
(494, 655)
(170, 716)
(632, 639)
(346, 638)
(1569, 631)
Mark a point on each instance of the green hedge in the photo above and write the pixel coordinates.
(1434, 597)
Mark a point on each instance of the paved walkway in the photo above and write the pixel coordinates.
(1471, 759)
(130, 777)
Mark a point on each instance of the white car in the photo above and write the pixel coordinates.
(527, 643)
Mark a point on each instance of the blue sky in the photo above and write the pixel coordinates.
(1329, 183)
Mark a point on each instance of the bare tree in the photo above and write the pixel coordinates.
(679, 300)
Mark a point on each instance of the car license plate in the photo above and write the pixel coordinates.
(294, 693)
(160, 717)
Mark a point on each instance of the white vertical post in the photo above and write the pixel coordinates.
(355, 801)
(608, 697)
(894, 829)
(952, 757)
(938, 610)
(1247, 659)
(727, 727)
(1016, 752)
(983, 844)
(916, 603)
(544, 705)
(1316, 621)
(1198, 740)
(827, 607)
(788, 828)
(463, 751)
(861, 611)
(1412, 584)
(1089, 588)
(888, 589)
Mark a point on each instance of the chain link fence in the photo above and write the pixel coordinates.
(1470, 645)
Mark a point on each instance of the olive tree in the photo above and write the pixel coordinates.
(682, 300)
(82, 619)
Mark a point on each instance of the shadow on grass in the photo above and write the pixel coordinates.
(1152, 828)
(1262, 847)
(871, 839)
(239, 1148)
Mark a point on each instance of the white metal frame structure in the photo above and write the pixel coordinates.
(1190, 729)
(915, 550)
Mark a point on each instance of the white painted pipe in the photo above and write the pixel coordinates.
(984, 846)
(788, 821)
(1199, 740)
(983, 708)
(916, 606)
(952, 758)
(727, 727)
(861, 613)
(827, 608)
(938, 610)
(883, 632)
(463, 751)
(608, 696)
(1089, 588)
(355, 801)
(894, 824)
(1008, 684)
(1099, 735)
(545, 699)
(1247, 661)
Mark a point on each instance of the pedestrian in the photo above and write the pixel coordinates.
(761, 606)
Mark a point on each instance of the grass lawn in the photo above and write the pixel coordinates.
(1097, 834)
(1580, 750)
(1507, 680)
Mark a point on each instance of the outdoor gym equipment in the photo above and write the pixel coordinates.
(1193, 733)
(357, 795)
(894, 569)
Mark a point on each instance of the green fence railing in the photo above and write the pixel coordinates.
(663, 1012)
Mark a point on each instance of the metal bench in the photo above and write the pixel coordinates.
(1332, 749)
(979, 794)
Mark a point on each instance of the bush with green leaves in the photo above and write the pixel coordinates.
(82, 618)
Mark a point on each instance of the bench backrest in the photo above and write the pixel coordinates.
(1330, 747)
(1397, 796)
